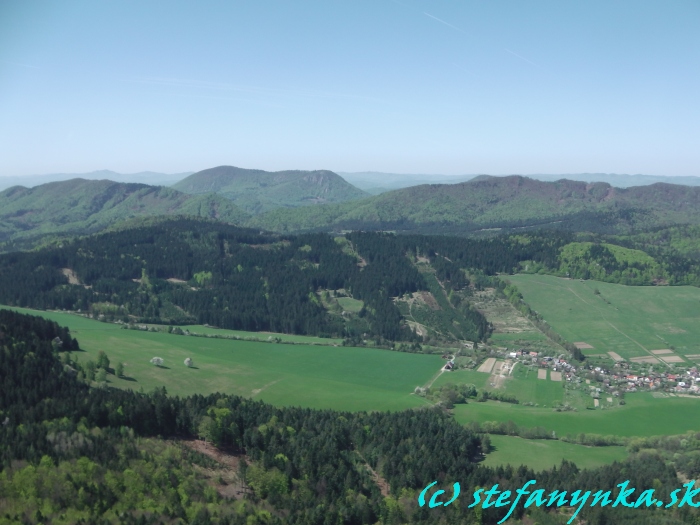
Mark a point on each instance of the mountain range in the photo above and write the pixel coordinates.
(482, 205)
(375, 182)
(500, 202)
(258, 191)
(80, 206)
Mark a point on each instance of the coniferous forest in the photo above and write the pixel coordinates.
(181, 271)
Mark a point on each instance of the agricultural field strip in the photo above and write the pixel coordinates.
(487, 366)
(612, 325)
(538, 281)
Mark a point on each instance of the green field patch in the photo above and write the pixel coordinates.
(541, 454)
(616, 318)
(342, 378)
(350, 305)
(643, 415)
(525, 386)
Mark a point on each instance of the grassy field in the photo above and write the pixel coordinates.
(541, 454)
(313, 376)
(629, 320)
(643, 415)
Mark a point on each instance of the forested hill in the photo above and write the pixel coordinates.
(500, 202)
(77, 452)
(80, 206)
(183, 270)
(257, 191)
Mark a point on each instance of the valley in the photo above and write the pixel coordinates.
(480, 339)
(349, 263)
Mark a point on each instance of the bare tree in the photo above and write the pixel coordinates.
(189, 363)
(158, 361)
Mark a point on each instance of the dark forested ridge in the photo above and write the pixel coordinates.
(210, 273)
(183, 270)
(75, 454)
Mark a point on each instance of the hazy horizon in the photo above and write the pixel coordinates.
(394, 86)
(342, 172)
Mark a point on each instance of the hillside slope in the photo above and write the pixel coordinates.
(501, 202)
(84, 206)
(257, 191)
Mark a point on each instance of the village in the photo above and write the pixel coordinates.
(592, 379)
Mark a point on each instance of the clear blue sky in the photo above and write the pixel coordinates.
(414, 86)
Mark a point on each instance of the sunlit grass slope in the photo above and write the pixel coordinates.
(283, 374)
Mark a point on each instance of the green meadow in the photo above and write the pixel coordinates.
(349, 304)
(643, 415)
(351, 379)
(629, 320)
(342, 378)
(541, 454)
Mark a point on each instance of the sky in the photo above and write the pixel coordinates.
(403, 86)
